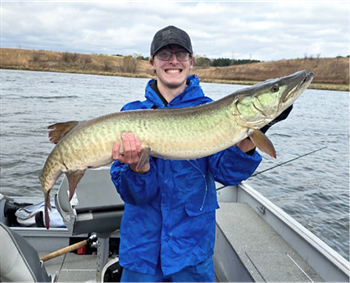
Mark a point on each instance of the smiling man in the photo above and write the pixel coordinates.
(168, 226)
(171, 59)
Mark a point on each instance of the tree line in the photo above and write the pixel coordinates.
(203, 61)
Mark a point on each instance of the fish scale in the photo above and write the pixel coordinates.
(177, 134)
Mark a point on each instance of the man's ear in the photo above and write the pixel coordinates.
(151, 63)
(192, 63)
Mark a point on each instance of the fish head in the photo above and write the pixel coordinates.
(260, 104)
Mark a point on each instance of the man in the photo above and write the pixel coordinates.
(168, 226)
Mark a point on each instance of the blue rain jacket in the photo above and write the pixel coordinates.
(170, 211)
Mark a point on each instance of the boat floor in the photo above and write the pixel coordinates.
(72, 267)
(254, 251)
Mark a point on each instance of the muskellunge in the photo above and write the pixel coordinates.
(184, 133)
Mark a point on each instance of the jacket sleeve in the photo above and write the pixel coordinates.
(232, 166)
(134, 188)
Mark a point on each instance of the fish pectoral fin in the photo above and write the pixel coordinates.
(59, 130)
(143, 158)
(261, 141)
(73, 178)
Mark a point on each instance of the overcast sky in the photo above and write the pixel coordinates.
(262, 30)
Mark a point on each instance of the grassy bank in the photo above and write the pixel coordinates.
(330, 73)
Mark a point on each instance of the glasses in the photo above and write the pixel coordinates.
(181, 56)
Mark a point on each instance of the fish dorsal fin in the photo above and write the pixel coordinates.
(59, 130)
(73, 178)
(262, 142)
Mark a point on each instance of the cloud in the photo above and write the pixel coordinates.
(262, 30)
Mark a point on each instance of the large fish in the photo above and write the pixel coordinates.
(178, 134)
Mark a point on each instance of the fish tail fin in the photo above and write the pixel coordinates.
(47, 207)
(261, 141)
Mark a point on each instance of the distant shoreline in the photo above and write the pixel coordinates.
(330, 73)
(320, 86)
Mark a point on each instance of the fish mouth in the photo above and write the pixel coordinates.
(295, 91)
(307, 79)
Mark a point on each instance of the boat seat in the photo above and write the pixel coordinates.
(95, 207)
(19, 261)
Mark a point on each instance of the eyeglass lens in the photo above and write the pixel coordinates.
(180, 55)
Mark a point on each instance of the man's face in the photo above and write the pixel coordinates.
(172, 73)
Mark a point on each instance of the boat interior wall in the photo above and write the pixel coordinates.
(19, 261)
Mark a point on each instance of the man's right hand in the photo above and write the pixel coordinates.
(131, 152)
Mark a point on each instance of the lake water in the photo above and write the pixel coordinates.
(313, 189)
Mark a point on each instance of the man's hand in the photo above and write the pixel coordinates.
(132, 151)
(246, 145)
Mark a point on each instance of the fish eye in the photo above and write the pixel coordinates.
(275, 88)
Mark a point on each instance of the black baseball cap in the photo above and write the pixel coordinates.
(170, 35)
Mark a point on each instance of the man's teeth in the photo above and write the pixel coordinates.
(173, 71)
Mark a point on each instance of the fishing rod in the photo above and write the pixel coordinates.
(257, 173)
